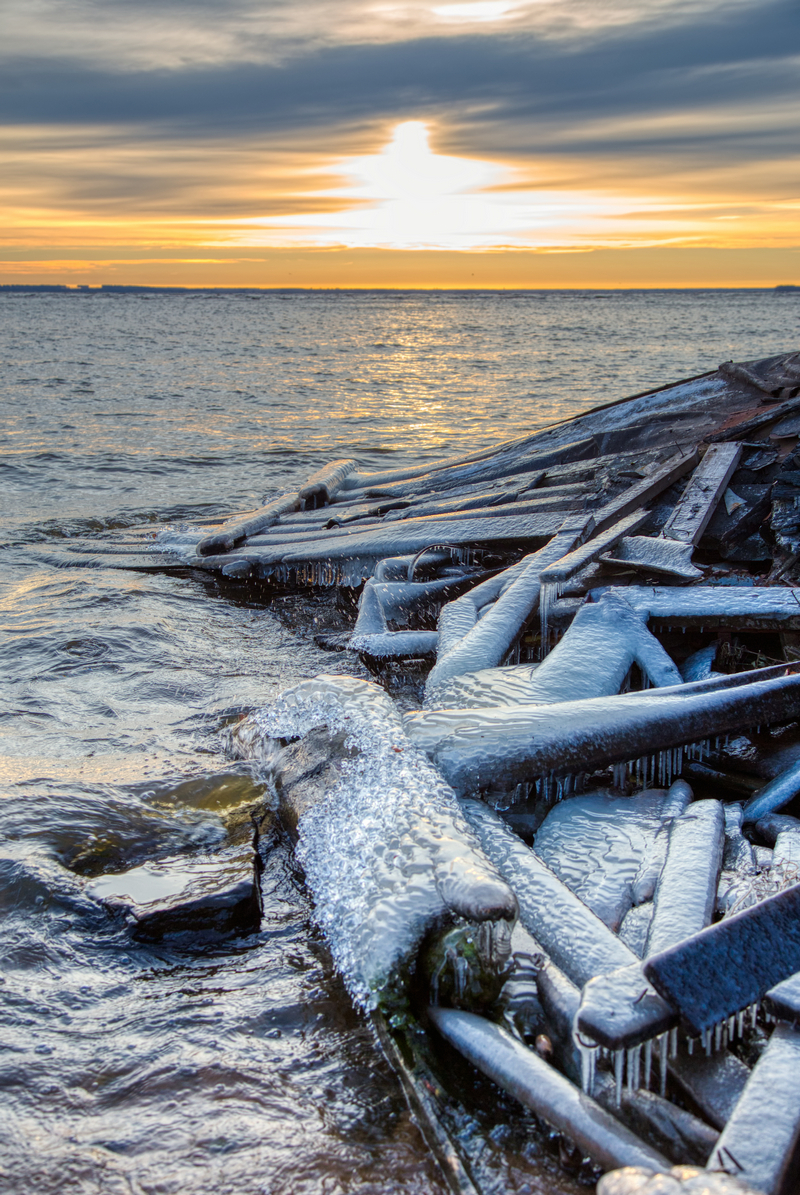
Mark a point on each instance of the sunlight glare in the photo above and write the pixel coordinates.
(406, 196)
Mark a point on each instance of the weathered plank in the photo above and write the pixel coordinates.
(706, 486)
(732, 964)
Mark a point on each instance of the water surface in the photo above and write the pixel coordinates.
(236, 1067)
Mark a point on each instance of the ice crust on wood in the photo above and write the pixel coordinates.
(387, 852)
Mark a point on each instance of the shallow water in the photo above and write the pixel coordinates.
(235, 1067)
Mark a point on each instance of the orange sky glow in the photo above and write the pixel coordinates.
(681, 175)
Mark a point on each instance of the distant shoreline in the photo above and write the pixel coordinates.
(114, 289)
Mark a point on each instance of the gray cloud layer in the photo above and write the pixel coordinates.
(518, 95)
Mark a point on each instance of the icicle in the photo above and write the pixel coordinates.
(740, 1023)
(619, 1063)
(690, 1045)
(648, 1062)
(717, 1035)
(732, 1027)
(706, 1040)
(754, 1014)
(673, 1043)
(588, 1062)
(663, 1043)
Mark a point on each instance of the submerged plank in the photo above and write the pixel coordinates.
(534, 1083)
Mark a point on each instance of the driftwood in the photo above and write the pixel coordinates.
(473, 566)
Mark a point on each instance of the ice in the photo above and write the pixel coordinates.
(506, 745)
(592, 660)
(387, 853)
(597, 843)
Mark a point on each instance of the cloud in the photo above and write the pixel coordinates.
(140, 35)
(652, 122)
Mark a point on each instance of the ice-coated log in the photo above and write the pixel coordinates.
(322, 485)
(487, 641)
(506, 461)
(699, 665)
(386, 850)
(591, 660)
(541, 1088)
(484, 748)
(559, 999)
(760, 1144)
(654, 555)
(687, 890)
(771, 825)
(574, 938)
(783, 1001)
(740, 607)
(457, 618)
(786, 854)
(680, 1180)
(678, 796)
(706, 486)
(738, 852)
(732, 964)
(774, 795)
(646, 489)
(382, 602)
(568, 565)
(238, 529)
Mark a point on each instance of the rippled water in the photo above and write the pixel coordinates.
(241, 1068)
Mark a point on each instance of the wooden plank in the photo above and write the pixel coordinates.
(649, 487)
(690, 517)
(760, 1142)
(567, 566)
(745, 607)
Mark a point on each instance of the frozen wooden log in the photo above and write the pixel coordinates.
(502, 463)
(398, 876)
(571, 934)
(322, 485)
(712, 1082)
(238, 529)
(690, 517)
(687, 888)
(620, 1009)
(487, 641)
(760, 1144)
(714, 606)
(539, 1087)
(770, 825)
(673, 1131)
(645, 490)
(490, 748)
(773, 796)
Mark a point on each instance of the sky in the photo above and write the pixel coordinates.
(484, 143)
